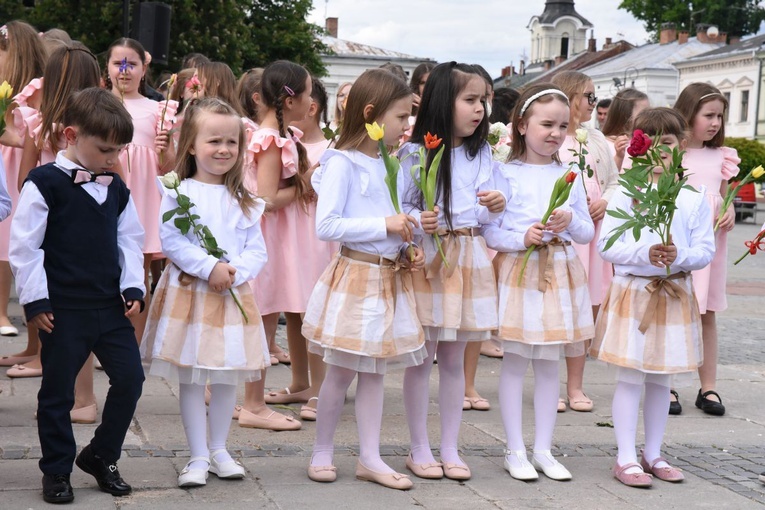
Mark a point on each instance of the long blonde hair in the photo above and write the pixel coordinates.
(26, 56)
(186, 166)
(572, 83)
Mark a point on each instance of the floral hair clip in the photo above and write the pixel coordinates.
(289, 91)
(4, 31)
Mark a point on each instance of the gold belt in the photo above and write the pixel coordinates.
(370, 258)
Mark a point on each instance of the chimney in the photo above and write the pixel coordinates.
(547, 64)
(331, 26)
(522, 68)
(682, 37)
(591, 47)
(608, 43)
(668, 33)
(702, 36)
(505, 71)
(559, 60)
(734, 39)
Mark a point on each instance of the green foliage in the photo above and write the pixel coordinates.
(735, 17)
(752, 154)
(241, 33)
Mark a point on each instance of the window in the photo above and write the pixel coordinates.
(564, 46)
(727, 99)
(744, 115)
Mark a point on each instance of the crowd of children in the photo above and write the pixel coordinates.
(263, 216)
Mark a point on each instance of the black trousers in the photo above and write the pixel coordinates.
(76, 333)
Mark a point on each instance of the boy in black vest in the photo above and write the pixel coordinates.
(76, 254)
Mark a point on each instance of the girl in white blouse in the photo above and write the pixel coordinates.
(649, 325)
(196, 331)
(361, 315)
(547, 307)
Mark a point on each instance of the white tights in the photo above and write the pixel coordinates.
(196, 417)
(369, 411)
(451, 393)
(625, 409)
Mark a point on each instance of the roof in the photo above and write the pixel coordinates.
(652, 56)
(556, 9)
(341, 47)
(743, 47)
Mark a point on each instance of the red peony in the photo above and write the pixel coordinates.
(639, 144)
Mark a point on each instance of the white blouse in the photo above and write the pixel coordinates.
(235, 233)
(354, 202)
(691, 233)
(528, 188)
(469, 176)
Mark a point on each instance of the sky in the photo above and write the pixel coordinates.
(492, 33)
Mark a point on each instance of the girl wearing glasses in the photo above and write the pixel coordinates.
(600, 187)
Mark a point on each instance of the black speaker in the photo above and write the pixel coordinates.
(151, 27)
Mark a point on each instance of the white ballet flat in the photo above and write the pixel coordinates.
(230, 469)
(555, 471)
(523, 472)
(8, 331)
(193, 477)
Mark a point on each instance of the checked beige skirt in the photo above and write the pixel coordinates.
(536, 323)
(199, 336)
(458, 302)
(361, 315)
(670, 340)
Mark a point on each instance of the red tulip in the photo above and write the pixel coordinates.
(432, 141)
(570, 177)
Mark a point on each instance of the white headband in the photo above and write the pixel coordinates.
(710, 95)
(538, 95)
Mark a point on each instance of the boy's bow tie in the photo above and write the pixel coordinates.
(82, 176)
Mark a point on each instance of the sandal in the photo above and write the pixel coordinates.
(674, 405)
(710, 406)
(308, 413)
(286, 397)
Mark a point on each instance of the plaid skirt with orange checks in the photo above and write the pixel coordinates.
(361, 316)
(551, 308)
(199, 336)
(458, 302)
(650, 324)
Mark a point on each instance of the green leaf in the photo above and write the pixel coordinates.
(184, 201)
(183, 224)
(168, 214)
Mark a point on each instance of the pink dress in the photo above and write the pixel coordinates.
(288, 278)
(140, 164)
(710, 167)
(12, 155)
(599, 272)
(322, 251)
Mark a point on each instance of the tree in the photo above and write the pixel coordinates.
(734, 17)
(241, 33)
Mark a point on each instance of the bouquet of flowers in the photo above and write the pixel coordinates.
(560, 193)
(758, 243)
(187, 221)
(499, 141)
(653, 199)
(6, 98)
(756, 173)
(579, 160)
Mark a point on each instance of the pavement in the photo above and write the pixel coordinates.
(721, 456)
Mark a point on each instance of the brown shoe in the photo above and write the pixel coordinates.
(274, 421)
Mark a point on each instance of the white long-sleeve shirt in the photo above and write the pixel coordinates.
(354, 202)
(528, 188)
(240, 236)
(5, 199)
(28, 232)
(691, 231)
(469, 177)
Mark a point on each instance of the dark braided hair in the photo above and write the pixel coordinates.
(283, 79)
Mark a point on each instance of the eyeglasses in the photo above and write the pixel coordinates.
(591, 98)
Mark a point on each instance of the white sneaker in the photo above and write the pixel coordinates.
(524, 470)
(193, 477)
(543, 461)
(227, 469)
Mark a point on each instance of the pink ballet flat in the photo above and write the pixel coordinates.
(632, 479)
(668, 474)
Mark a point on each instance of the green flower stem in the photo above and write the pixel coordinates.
(742, 257)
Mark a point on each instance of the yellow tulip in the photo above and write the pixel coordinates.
(756, 173)
(6, 90)
(375, 131)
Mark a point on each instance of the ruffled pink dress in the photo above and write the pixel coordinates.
(12, 155)
(710, 167)
(322, 251)
(140, 163)
(599, 272)
(293, 267)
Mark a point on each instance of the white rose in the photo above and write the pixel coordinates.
(581, 135)
(501, 153)
(170, 180)
(498, 129)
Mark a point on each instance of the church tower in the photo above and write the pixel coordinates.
(559, 31)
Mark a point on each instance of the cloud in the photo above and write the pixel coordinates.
(492, 33)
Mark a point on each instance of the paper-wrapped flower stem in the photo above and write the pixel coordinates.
(186, 221)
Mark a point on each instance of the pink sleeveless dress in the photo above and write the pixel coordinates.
(140, 164)
(22, 116)
(286, 281)
(599, 272)
(709, 167)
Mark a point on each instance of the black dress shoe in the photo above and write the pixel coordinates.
(107, 475)
(710, 406)
(674, 405)
(57, 489)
